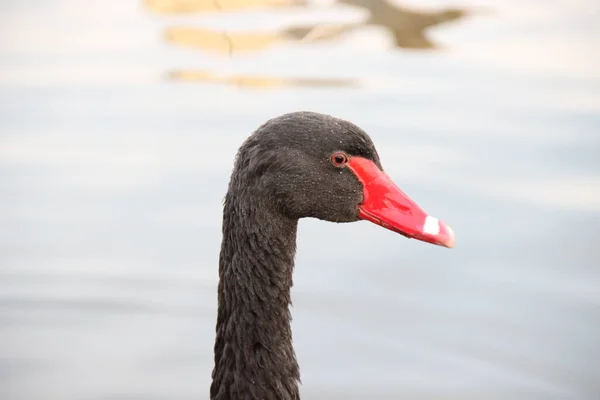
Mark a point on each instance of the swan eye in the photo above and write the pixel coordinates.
(339, 159)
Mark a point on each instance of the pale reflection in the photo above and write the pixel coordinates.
(259, 82)
(226, 43)
(220, 42)
(408, 27)
(189, 6)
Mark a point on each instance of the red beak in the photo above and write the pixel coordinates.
(386, 205)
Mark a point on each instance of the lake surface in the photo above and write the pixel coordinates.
(114, 162)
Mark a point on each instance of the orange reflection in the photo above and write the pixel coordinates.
(189, 6)
(220, 42)
(408, 28)
(259, 82)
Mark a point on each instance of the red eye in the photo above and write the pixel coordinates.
(339, 159)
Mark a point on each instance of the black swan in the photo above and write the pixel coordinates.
(298, 165)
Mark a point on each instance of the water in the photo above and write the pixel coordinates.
(112, 177)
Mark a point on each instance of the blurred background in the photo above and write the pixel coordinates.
(119, 122)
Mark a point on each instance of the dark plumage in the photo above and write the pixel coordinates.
(283, 171)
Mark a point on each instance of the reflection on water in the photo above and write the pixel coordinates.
(407, 26)
(259, 82)
(112, 181)
(188, 6)
(220, 42)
